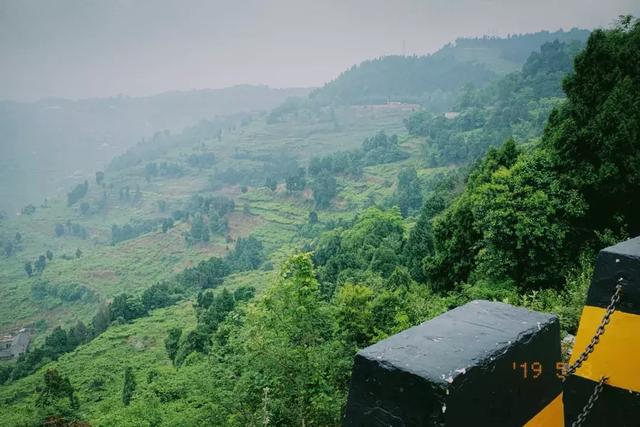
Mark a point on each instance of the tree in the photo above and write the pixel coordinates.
(78, 192)
(8, 247)
(129, 387)
(54, 388)
(39, 290)
(99, 177)
(84, 208)
(247, 255)
(137, 196)
(127, 307)
(420, 243)
(59, 230)
(78, 334)
(28, 268)
(28, 210)
(57, 342)
(354, 318)
(78, 253)
(195, 341)
(207, 274)
(296, 182)
(244, 293)
(40, 264)
(286, 342)
(49, 254)
(313, 217)
(399, 279)
(167, 224)
(324, 189)
(218, 224)
(408, 192)
(271, 183)
(199, 230)
(524, 218)
(102, 319)
(171, 343)
(157, 296)
(595, 135)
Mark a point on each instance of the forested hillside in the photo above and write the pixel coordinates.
(228, 274)
(516, 105)
(435, 80)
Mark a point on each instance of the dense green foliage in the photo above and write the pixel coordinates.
(517, 105)
(525, 217)
(375, 150)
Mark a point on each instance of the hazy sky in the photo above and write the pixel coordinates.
(88, 48)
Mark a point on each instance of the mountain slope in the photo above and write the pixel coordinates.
(433, 80)
(46, 144)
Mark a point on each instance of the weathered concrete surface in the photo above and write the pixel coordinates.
(615, 262)
(458, 370)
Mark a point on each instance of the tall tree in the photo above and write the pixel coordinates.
(40, 264)
(129, 386)
(54, 388)
(28, 268)
(171, 343)
(408, 192)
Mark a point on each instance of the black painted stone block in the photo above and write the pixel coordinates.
(618, 261)
(458, 370)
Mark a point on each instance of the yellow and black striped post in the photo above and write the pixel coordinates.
(616, 354)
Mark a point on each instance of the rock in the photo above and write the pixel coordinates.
(469, 366)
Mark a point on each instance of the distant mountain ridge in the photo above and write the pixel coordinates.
(434, 80)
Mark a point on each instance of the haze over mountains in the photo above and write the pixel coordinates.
(50, 144)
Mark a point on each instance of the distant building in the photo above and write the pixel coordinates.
(13, 346)
(451, 114)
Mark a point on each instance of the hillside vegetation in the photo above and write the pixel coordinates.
(227, 275)
(49, 144)
(434, 81)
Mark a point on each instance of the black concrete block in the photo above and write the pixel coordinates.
(615, 262)
(458, 370)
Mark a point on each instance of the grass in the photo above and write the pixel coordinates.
(99, 383)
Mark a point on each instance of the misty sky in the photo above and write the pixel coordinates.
(90, 48)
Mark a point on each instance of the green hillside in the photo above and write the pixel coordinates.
(435, 80)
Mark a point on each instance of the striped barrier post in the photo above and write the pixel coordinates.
(481, 364)
(604, 390)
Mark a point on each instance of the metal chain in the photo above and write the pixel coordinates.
(615, 298)
(589, 406)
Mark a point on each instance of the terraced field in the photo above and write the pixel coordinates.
(133, 265)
